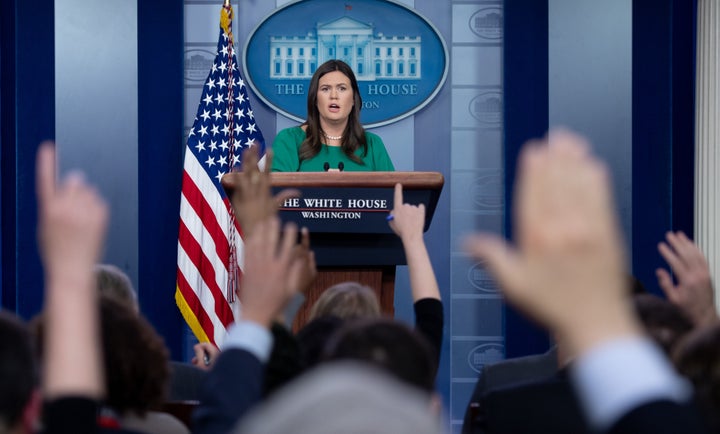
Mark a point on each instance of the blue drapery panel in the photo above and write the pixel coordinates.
(27, 101)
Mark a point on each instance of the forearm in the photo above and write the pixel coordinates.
(423, 283)
(73, 363)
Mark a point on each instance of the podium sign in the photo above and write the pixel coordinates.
(346, 214)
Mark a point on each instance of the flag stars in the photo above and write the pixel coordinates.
(203, 131)
(222, 161)
(226, 129)
(251, 128)
(215, 130)
(250, 114)
(221, 83)
(240, 98)
(235, 160)
(216, 114)
(200, 146)
(219, 99)
(205, 115)
(213, 145)
(207, 99)
(224, 145)
(222, 67)
(210, 161)
(239, 113)
(238, 129)
(250, 142)
(219, 175)
(224, 50)
(210, 83)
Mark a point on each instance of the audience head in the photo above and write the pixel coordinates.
(135, 359)
(665, 322)
(347, 300)
(697, 357)
(285, 361)
(313, 337)
(19, 399)
(344, 397)
(389, 345)
(114, 283)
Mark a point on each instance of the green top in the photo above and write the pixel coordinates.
(287, 144)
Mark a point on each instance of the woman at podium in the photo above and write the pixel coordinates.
(332, 138)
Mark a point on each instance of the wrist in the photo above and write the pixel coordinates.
(261, 319)
(592, 330)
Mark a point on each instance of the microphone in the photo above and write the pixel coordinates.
(327, 168)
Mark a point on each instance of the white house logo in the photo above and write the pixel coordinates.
(487, 192)
(481, 279)
(487, 108)
(487, 23)
(399, 58)
(197, 64)
(485, 354)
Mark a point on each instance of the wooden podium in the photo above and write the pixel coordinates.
(346, 215)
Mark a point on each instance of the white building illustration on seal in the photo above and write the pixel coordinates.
(371, 56)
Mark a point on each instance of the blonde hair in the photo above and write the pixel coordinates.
(113, 283)
(345, 301)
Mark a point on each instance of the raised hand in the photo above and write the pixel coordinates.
(72, 217)
(303, 273)
(269, 261)
(72, 220)
(249, 191)
(408, 221)
(694, 290)
(568, 269)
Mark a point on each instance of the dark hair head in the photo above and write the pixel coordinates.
(136, 359)
(313, 337)
(285, 362)
(134, 356)
(665, 322)
(389, 345)
(697, 357)
(18, 369)
(354, 134)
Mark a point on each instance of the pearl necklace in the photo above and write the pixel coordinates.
(327, 136)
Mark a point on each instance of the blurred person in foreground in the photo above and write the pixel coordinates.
(567, 270)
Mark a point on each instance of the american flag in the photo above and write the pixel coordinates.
(209, 242)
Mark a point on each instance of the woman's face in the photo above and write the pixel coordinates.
(335, 97)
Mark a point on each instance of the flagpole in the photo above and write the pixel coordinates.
(226, 3)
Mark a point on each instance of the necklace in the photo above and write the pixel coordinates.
(327, 136)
